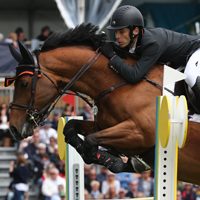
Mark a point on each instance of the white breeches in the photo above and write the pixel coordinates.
(192, 69)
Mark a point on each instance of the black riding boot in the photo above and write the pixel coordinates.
(196, 90)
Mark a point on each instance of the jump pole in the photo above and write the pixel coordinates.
(74, 165)
(171, 133)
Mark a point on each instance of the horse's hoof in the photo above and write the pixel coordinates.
(139, 165)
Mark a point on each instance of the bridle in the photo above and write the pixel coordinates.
(38, 116)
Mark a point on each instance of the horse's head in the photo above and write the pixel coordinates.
(31, 85)
(64, 58)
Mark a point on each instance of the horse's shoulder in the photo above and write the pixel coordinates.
(156, 72)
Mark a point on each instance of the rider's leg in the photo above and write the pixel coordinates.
(192, 72)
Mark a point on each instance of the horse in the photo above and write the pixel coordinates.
(125, 121)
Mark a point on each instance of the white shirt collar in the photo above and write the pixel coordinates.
(132, 49)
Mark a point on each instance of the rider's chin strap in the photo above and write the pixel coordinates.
(132, 37)
(131, 28)
(140, 35)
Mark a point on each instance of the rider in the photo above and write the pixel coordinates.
(152, 45)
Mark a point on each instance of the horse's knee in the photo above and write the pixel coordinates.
(69, 129)
(76, 125)
(71, 124)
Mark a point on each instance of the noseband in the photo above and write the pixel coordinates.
(34, 115)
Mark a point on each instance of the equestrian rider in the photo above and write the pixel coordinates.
(152, 45)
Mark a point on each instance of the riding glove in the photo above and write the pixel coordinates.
(107, 50)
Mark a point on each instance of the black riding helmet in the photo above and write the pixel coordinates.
(126, 16)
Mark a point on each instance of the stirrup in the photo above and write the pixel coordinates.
(139, 165)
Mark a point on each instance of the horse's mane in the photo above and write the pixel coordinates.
(84, 34)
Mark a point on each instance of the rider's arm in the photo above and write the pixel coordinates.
(135, 73)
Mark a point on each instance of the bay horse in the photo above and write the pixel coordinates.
(125, 121)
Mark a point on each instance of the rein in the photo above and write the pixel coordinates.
(38, 116)
(77, 76)
(154, 83)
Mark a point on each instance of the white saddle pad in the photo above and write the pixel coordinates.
(194, 118)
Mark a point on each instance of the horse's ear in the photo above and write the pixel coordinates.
(15, 53)
(26, 55)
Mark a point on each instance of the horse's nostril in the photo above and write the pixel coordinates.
(15, 134)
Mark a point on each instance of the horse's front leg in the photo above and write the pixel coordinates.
(126, 138)
(72, 129)
(80, 127)
(89, 150)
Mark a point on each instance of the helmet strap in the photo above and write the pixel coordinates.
(131, 28)
(131, 37)
(141, 32)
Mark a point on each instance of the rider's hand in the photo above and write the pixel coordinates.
(107, 50)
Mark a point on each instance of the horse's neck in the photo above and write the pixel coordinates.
(64, 63)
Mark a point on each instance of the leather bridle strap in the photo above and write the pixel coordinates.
(33, 88)
(49, 107)
(80, 73)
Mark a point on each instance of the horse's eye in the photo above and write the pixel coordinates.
(24, 84)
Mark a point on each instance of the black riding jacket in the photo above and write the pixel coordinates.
(157, 45)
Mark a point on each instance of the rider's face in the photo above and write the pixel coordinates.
(123, 37)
